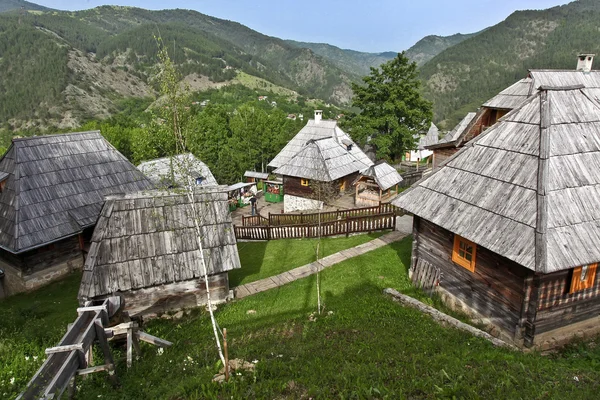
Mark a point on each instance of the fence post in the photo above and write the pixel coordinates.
(395, 218)
(347, 227)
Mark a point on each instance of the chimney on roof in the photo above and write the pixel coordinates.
(584, 62)
(318, 116)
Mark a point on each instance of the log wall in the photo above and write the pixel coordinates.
(495, 290)
(176, 296)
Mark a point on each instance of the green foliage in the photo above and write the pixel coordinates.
(34, 71)
(392, 108)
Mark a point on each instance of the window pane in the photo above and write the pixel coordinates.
(462, 245)
(469, 248)
(584, 271)
(469, 257)
(461, 254)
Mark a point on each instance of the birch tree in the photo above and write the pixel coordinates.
(176, 119)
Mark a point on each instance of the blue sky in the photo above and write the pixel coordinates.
(376, 26)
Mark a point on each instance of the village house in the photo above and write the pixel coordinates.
(377, 184)
(508, 99)
(177, 171)
(52, 189)
(322, 153)
(511, 221)
(145, 248)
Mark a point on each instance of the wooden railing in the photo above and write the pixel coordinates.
(315, 218)
(342, 226)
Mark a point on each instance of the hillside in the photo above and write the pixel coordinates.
(464, 76)
(119, 42)
(10, 5)
(355, 62)
(432, 45)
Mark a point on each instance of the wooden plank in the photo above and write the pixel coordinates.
(65, 348)
(108, 358)
(146, 337)
(91, 370)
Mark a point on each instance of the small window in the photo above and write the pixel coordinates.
(463, 253)
(583, 277)
(199, 180)
(304, 182)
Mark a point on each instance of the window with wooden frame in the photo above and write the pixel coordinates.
(304, 182)
(464, 252)
(583, 277)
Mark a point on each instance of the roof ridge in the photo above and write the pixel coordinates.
(541, 226)
(16, 180)
(24, 139)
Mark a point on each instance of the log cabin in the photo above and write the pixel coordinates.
(177, 171)
(379, 183)
(51, 192)
(338, 154)
(145, 248)
(319, 172)
(513, 96)
(511, 221)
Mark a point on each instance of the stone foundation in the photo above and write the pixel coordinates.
(15, 281)
(296, 203)
(543, 341)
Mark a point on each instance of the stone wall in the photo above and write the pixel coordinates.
(296, 203)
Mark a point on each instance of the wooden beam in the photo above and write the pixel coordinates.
(68, 347)
(91, 370)
(145, 337)
(108, 358)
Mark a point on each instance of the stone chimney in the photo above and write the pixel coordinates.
(318, 116)
(584, 62)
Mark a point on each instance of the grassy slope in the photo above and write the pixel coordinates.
(264, 259)
(369, 347)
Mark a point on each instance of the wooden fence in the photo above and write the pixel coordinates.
(409, 178)
(315, 218)
(345, 226)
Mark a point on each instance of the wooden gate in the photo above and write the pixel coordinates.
(426, 276)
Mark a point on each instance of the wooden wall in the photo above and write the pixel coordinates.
(56, 253)
(292, 185)
(441, 155)
(496, 288)
(176, 296)
(557, 308)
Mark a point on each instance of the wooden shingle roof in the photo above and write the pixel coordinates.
(149, 239)
(314, 131)
(511, 97)
(534, 177)
(384, 175)
(432, 137)
(255, 174)
(56, 186)
(323, 160)
(177, 170)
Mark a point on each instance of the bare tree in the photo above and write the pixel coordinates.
(176, 98)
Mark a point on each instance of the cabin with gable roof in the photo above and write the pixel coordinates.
(51, 192)
(510, 222)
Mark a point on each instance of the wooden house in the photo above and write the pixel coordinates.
(322, 169)
(475, 123)
(422, 150)
(508, 99)
(177, 171)
(145, 248)
(51, 192)
(378, 183)
(511, 220)
(315, 129)
(319, 152)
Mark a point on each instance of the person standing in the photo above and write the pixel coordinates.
(253, 203)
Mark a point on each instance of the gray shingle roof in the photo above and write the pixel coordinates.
(432, 137)
(56, 186)
(511, 97)
(315, 131)
(459, 130)
(323, 160)
(489, 191)
(148, 239)
(176, 171)
(257, 175)
(384, 175)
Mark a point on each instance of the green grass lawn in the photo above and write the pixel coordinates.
(263, 259)
(363, 346)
